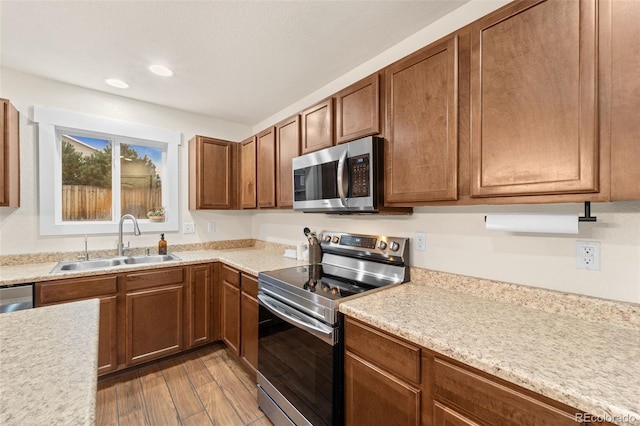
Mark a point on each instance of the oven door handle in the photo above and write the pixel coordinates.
(341, 180)
(303, 321)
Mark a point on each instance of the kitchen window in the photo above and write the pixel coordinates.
(94, 169)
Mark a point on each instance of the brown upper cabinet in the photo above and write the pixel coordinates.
(534, 100)
(358, 110)
(317, 126)
(422, 128)
(212, 173)
(625, 99)
(248, 173)
(287, 148)
(266, 167)
(9, 155)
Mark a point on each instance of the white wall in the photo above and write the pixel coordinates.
(19, 227)
(457, 241)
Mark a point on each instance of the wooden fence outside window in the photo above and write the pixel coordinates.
(90, 203)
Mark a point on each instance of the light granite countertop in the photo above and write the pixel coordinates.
(39, 386)
(590, 365)
(581, 351)
(250, 260)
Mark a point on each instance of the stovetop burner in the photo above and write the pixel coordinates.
(351, 265)
(326, 281)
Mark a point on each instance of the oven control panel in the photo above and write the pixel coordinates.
(346, 243)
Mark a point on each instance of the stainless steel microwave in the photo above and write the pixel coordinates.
(347, 178)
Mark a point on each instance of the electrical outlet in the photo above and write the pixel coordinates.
(588, 255)
(211, 226)
(189, 228)
(421, 241)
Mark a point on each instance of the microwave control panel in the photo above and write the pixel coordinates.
(360, 172)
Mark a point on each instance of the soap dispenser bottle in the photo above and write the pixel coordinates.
(162, 245)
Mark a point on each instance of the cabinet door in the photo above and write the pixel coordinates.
(9, 155)
(625, 100)
(249, 322)
(422, 129)
(107, 338)
(248, 174)
(266, 173)
(230, 307)
(199, 305)
(154, 323)
(533, 100)
(373, 396)
(358, 110)
(317, 126)
(211, 173)
(287, 148)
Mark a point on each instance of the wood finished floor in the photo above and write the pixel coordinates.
(206, 387)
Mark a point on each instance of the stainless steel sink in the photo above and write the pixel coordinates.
(135, 260)
(90, 265)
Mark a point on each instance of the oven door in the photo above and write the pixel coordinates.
(299, 366)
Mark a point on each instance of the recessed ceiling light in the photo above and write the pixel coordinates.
(161, 70)
(116, 83)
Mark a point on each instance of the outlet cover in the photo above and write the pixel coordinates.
(421, 241)
(588, 255)
(211, 226)
(189, 228)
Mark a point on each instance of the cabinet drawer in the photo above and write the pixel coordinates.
(80, 288)
(492, 402)
(249, 285)
(230, 275)
(141, 280)
(397, 357)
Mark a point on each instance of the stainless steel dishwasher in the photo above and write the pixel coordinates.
(16, 297)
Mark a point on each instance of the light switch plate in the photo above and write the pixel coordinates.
(189, 228)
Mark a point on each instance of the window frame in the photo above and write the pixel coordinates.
(53, 122)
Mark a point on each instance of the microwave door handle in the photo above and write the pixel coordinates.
(341, 179)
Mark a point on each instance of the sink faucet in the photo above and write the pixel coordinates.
(136, 231)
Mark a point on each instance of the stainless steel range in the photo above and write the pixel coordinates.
(300, 352)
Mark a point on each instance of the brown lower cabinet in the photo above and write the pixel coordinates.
(249, 321)
(239, 315)
(200, 309)
(104, 288)
(230, 307)
(144, 315)
(154, 314)
(394, 382)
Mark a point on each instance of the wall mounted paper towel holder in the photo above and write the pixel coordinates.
(587, 214)
(546, 224)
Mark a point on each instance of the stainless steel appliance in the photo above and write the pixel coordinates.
(16, 297)
(347, 178)
(300, 351)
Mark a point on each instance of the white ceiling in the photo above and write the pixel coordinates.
(241, 61)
